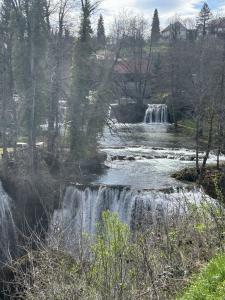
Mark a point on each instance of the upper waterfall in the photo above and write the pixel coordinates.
(156, 113)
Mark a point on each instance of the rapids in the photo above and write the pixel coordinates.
(137, 184)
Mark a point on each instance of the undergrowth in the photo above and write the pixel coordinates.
(151, 262)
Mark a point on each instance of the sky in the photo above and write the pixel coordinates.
(167, 8)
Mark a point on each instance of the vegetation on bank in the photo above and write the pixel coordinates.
(213, 180)
(149, 262)
(210, 283)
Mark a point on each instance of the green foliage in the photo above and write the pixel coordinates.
(111, 273)
(153, 263)
(85, 25)
(88, 100)
(81, 86)
(210, 283)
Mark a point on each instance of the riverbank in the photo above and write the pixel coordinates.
(213, 180)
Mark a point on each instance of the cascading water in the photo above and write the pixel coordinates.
(82, 208)
(8, 234)
(156, 113)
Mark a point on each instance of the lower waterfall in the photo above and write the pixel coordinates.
(82, 208)
(8, 234)
(156, 113)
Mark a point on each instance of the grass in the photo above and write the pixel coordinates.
(210, 283)
(188, 124)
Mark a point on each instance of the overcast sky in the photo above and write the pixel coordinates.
(167, 8)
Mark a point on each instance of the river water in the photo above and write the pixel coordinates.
(137, 183)
(145, 155)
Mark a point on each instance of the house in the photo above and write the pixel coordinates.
(133, 67)
(174, 31)
(217, 27)
(132, 77)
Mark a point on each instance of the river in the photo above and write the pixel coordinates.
(137, 182)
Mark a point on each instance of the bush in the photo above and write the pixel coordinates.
(153, 262)
(112, 273)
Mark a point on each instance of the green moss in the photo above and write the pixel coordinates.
(210, 283)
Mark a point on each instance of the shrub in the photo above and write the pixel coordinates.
(153, 262)
(112, 272)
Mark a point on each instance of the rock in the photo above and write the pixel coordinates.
(171, 157)
(157, 148)
(147, 157)
(118, 157)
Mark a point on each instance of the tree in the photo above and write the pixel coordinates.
(203, 20)
(8, 106)
(81, 84)
(155, 34)
(133, 70)
(30, 49)
(56, 44)
(101, 39)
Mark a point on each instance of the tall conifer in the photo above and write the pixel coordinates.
(203, 19)
(101, 32)
(155, 34)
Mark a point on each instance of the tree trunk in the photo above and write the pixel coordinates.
(197, 147)
(209, 144)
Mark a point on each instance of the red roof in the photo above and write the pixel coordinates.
(133, 66)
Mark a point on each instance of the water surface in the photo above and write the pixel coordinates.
(145, 155)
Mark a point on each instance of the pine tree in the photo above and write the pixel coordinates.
(81, 85)
(155, 34)
(85, 31)
(204, 17)
(101, 32)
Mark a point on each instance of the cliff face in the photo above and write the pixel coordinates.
(129, 113)
(32, 202)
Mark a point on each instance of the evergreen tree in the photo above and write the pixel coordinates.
(203, 20)
(81, 85)
(155, 34)
(101, 32)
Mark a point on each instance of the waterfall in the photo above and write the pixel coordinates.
(156, 113)
(82, 208)
(8, 234)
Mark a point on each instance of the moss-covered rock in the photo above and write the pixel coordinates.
(213, 180)
(187, 174)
